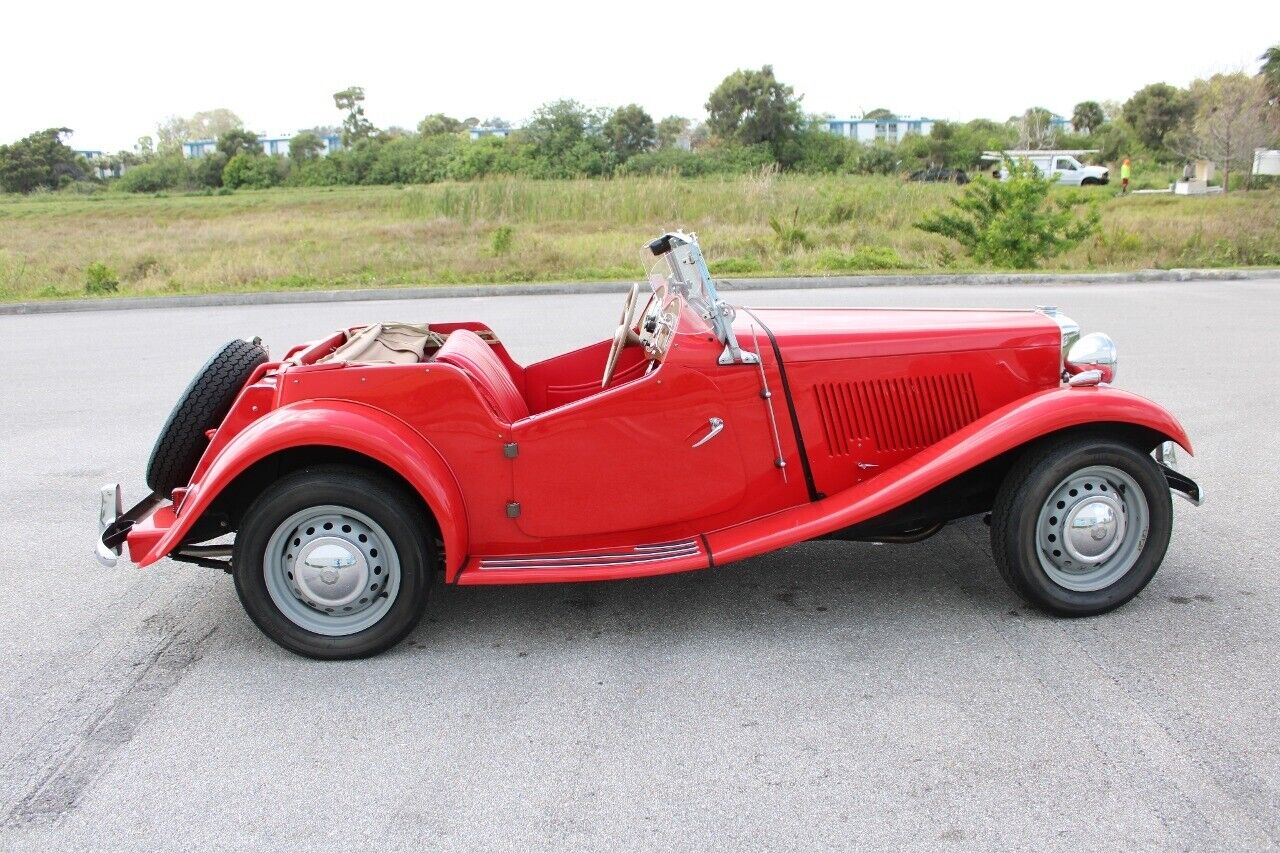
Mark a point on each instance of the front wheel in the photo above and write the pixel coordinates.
(1081, 525)
(334, 563)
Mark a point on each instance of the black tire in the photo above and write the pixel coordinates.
(1090, 182)
(202, 406)
(400, 514)
(1030, 484)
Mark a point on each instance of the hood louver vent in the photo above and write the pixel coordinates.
(895, 414)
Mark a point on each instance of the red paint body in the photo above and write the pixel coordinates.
(889, 404)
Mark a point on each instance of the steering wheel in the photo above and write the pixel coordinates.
(622, 336)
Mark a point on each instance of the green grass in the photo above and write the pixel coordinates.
(523, 230)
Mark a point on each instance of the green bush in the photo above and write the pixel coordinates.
(1013, 224)
(790, 235)
(730, 266)
(863, 259)
(253, 171)
(100, 279)
(163, 173)
(501, 240)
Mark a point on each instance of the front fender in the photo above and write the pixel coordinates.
(1005, 429)
(355, 427)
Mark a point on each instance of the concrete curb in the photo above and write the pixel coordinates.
(277, 297)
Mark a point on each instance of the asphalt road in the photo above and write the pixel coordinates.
(830, 695)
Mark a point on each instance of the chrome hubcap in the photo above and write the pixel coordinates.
(331, 570)
(1092, 529)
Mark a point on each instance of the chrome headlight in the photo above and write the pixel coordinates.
(1093, 352)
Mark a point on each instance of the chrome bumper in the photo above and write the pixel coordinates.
(114, 523)
(1180, 484)
(110, 509)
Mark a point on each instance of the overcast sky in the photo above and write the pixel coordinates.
(112, 71)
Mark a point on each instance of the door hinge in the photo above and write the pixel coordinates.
(511, 450)
(513, 509)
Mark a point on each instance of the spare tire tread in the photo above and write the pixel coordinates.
(202, 407)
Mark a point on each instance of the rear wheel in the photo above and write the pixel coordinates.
(334, 562)
(1081, 525)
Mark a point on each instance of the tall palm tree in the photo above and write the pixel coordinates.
(1270, 70)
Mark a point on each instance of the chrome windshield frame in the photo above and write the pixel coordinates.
(682, 250)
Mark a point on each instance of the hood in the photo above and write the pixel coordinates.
(816, 334)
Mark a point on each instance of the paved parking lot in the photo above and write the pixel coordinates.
(829, 695)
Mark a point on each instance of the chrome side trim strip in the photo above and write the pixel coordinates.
(640, 554)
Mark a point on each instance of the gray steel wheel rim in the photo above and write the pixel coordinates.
(371, 583)
(1071, 500)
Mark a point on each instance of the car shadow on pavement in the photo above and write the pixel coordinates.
(808, 586)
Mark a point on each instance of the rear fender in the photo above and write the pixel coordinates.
(354, 427)
(1001, 431)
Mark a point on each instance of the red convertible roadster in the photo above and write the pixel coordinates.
(356, 467)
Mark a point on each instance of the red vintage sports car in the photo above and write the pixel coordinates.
(357, 466)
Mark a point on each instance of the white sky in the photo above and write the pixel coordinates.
(111, 72)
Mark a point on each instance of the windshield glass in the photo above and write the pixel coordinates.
(681, 269)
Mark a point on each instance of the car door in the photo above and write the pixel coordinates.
(655, 451)
(1065, 170)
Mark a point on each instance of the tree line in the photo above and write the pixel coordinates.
(753, 121)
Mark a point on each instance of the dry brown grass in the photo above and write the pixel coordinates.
(561, 230)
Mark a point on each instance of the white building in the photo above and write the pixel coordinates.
(869, 130)
(270, 145)
(481, 132)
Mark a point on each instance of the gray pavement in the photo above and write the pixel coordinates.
(829, 695)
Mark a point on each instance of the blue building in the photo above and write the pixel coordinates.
(270, 145)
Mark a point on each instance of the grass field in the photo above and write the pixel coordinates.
(523, 230)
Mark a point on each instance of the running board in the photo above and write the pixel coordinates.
(602, 564)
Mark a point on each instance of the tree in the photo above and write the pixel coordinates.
(355, 126)
(305, 145)
(629, 131)
(1155, 111)
(239, 140)
(439, 123)
(1087, 117)
(39, 160)
(1012, 223)
(670, 130)
(566, 139)
(1270, 71)
(252, 171)
(879, 114)
(208, 124)
(1232, 119)
(496, 122)
(1036, 130)
(749, 107)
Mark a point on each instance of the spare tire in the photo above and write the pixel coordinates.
(201, 407)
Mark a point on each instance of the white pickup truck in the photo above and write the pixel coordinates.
(1062, 166)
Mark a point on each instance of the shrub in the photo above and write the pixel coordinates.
(863, 259)
(790, 235)
(255, 171)
(100, 279)
(164, 173)
(1012, 224)
(730, 266)
(501, 240)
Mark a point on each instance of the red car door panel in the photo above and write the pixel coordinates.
(625, 459)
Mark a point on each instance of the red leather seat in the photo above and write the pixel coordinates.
(468, 352)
